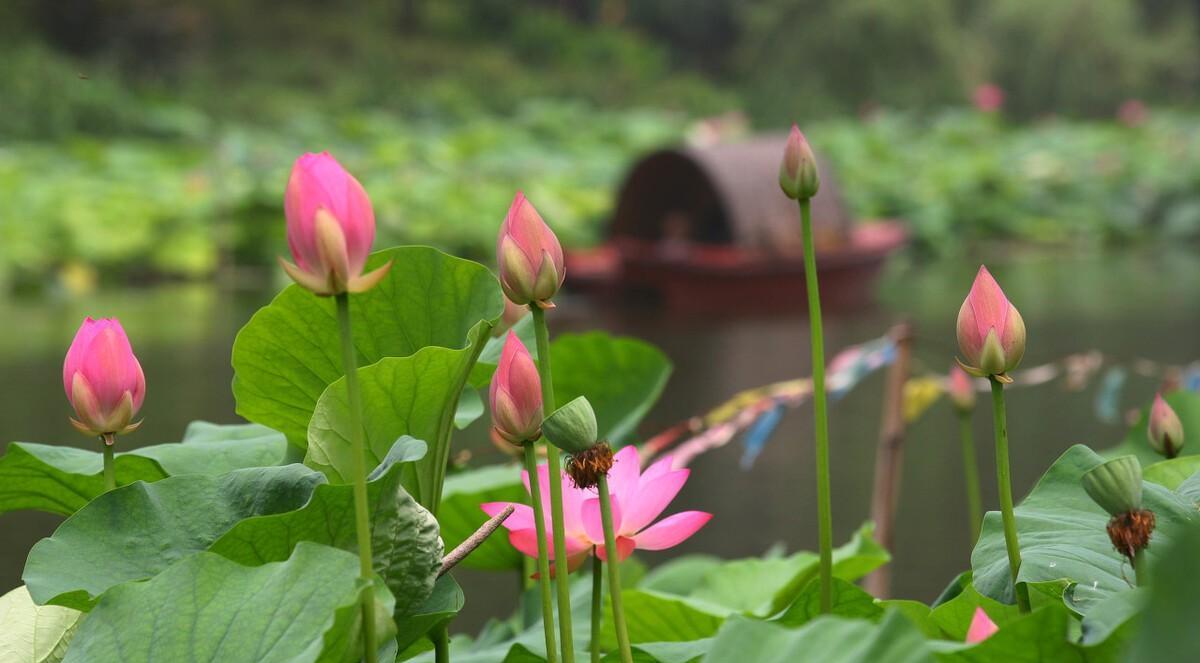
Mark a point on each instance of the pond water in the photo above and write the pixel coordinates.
(1131, 305)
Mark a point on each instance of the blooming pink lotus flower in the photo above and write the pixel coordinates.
(1165, 430)
(103, 379)
(988, 97)
(330, 228)
(516, 394)
(637, 499)
(982, 627)
(991, 333)
(529, 255)
(961, 389)
(798, 170)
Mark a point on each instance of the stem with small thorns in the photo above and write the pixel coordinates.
(362, 519)
(539, 522)
(820, 416)
(970, 475)
(110, 475)
(614, 571)
(1004, 481)
(554, 467)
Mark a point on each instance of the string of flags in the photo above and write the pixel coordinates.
(755, 414)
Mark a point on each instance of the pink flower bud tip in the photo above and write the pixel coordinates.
(961, 389)
(982, 627)
(988, 97)
(529, 256)
(798, 170)
(330, 228)
(991, 333)
(103, 379)
(1165, 430)
(515, 395)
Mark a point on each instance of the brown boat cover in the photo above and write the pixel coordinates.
(725, 194)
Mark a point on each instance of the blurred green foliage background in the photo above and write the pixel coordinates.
(143, 139)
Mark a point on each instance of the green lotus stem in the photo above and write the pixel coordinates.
(110, 475)
(554, 465)
(1004, 481)
(614, 571)
(597, 600)
(1139, 568)
(970, 475)
(528, 569)
(441, 644)
(816, 331)
(362, 522)
(539, 523)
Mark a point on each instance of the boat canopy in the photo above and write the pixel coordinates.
(724, 194)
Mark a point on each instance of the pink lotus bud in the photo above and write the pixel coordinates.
(991, 333)
(102, 378)
(330, 228)
(516, 394)
(988, 97)
(530, 257)
(982, 627)
(961, 389)
(1165, 430)
(798, 170)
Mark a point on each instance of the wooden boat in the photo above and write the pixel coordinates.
(708, 230)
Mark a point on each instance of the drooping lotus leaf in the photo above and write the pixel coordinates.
(289, 352)
(446, 600)
(207, 608)
(828, 639)
(1063, 536)
(1171, 473)
(762, 585)
(1168, 627)
(848, 600)
(61, 479)
(406, 548)
(136, 531)
(413, 396)
(1046, 634)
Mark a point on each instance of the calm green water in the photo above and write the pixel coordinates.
(1129, 305)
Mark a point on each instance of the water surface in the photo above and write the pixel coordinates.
(1129, 306)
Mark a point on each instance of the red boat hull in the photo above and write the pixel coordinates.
(710, 278)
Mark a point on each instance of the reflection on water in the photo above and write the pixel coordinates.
(1133, 305)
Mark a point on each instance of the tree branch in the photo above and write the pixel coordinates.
(475, 540)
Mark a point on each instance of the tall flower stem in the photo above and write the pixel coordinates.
(441, 644)
(110, 475)
(539, 522)
(1004, 481)
(362, 522)
(614, 571)
(597, 602)
(970, 474)
(554, 465)
(817, 333)
(1139, 568)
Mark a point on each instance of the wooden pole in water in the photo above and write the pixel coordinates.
(889, 456)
